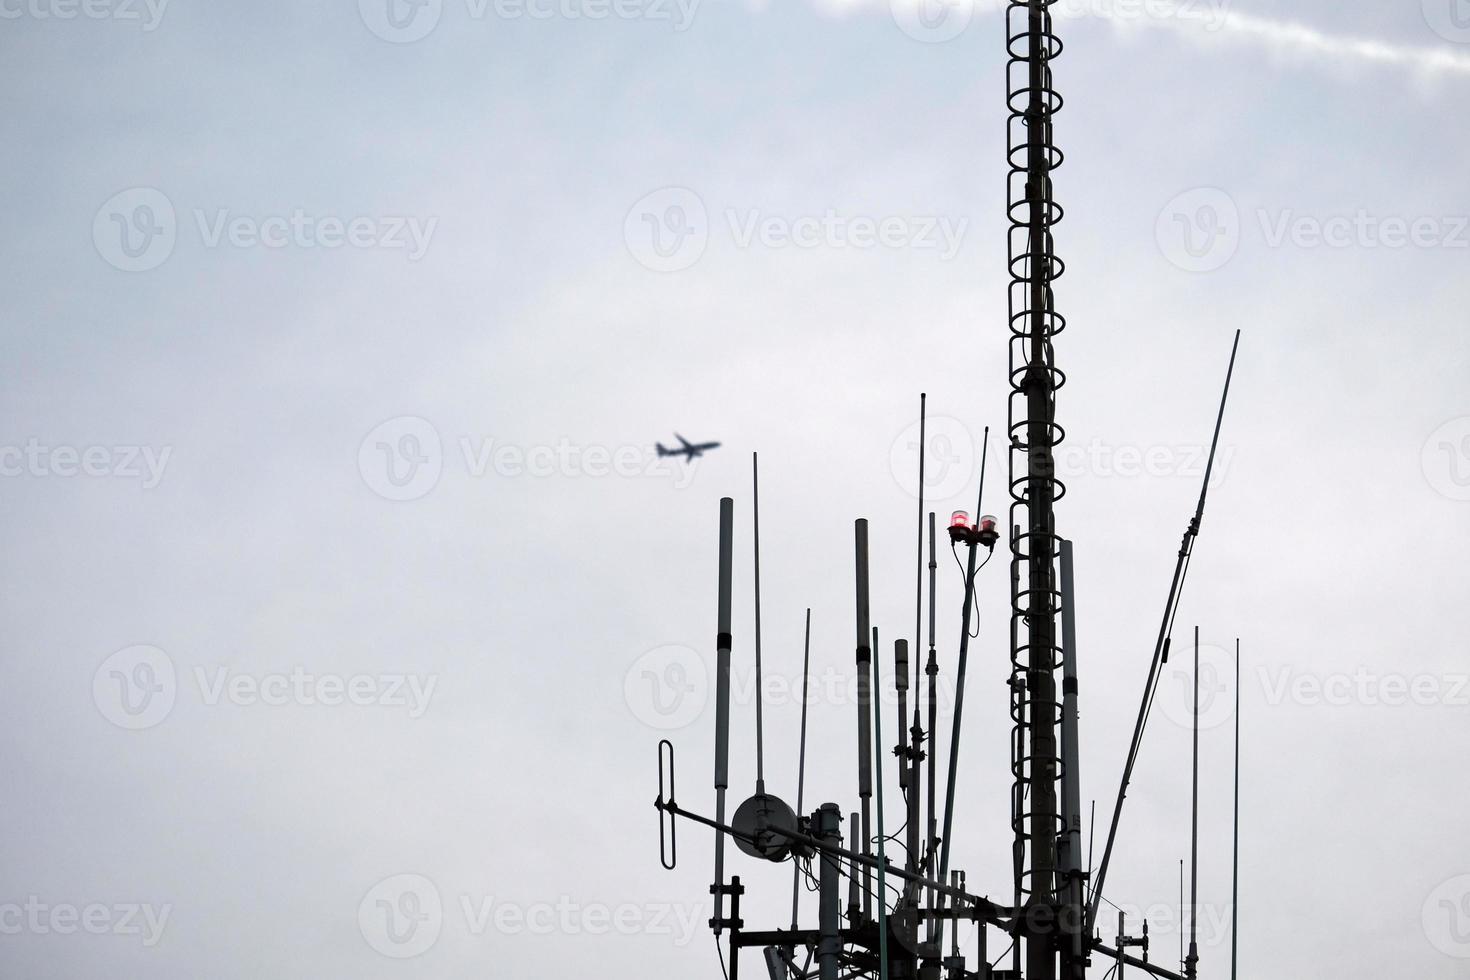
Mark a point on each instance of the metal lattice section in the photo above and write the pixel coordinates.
(1032, 213)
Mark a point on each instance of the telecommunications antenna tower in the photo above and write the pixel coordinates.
(901, 920)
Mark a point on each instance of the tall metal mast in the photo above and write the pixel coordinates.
(1031, 45)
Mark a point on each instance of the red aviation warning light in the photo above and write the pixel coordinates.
(961, 531)
(988, 532)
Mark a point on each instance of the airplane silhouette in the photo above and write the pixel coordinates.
(686, 448)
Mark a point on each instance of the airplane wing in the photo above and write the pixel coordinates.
(682, 441)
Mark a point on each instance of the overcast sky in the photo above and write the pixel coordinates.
(346, 601)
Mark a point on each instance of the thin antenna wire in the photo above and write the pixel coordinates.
(919, 551)
(984, 455)
(806, 670)
(1192, 964)
(760, 720)
(1235, 857)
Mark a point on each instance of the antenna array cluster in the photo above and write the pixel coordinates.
(901, 921)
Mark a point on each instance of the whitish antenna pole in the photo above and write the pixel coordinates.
(722, 700)
(806, 672)
(760, 718)
(865, 709)
(1235, 856)
(1191, 965)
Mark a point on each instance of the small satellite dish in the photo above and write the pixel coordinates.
(753, 823)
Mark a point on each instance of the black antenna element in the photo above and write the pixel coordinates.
(722, 701)
(959, 693)
(806, 673)
(913, 744)
(1235, 846)
(931, 669)
(865, 711)
(1191, 964)
(1161, 645)
(882, 834)
(919, 556)
(760, 718)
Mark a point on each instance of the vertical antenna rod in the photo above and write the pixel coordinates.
(1161, 645)
(865, 716)
(829, 948)
(722, 701)
(909, 775)
(919, 556)
(806, 673)
(1070, 846)
(882, 835)
(760, 719)
(959, 694)
(1235, 846)
(931, 669)
(1191, 964)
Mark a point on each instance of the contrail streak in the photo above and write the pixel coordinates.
(1204, 20)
